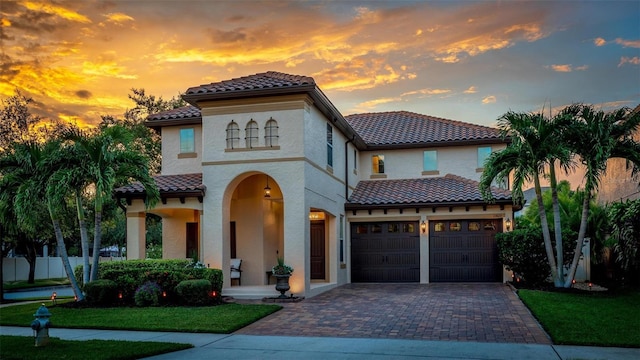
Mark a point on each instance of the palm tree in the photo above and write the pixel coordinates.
(30, 166)
(596, 136)
(533, 147)
(107, 163)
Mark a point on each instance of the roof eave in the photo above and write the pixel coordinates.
(445, 143)
(159, 123)
(420, 205)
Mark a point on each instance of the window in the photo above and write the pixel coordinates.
(378, 164)
(271, 133)
(341, 238)
(355, 159)
(430, 160)
(233, 135)
(329, 145)
(187, 141)
(439, 226)
(251, 134)
(483, 153)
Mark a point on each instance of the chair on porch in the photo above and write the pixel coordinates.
(235, 270)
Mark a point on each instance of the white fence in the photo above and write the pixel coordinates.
(15, 269)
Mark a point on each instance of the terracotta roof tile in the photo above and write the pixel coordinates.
(267, 80)
(447, 189)
(403, 127)
(183, 183)
(184, 112)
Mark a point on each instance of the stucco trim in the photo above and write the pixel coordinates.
(187, 155)
(256, 148)
(271, 103)
(431, 172)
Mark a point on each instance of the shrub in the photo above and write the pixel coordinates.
(194, 292)
(148, 294)
(101, 292)
(522, 251)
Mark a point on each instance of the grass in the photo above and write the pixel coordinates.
(22, 347)
(22, 284)
(595, 319)
(222, 319)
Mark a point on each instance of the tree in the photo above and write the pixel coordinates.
(596, 136)
(534, 146)
(31, 165)
(107, 162)
(16, 121)
(626, 231)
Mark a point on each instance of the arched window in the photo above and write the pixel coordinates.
(271, 133)
(233, 135)
(251, 134)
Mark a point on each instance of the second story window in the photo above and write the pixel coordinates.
(377, 164)
(329, 145)
(271, 133)
(251, 134)
(483, 153)
(187, 141)
(233, 135)
(430, 160)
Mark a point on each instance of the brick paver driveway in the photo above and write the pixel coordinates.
(451, 312)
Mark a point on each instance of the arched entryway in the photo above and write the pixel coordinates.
(256, 226)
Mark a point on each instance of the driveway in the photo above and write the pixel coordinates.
(447, 312)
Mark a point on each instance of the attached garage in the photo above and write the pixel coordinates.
(385, 252)
(464, 251)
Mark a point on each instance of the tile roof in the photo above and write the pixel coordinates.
(188, 184)
(184, 112)
(406, 128)
(267, 80)
(447, 189)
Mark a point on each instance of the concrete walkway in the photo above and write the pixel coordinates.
(234, 346)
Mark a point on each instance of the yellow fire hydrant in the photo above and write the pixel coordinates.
(41, 326)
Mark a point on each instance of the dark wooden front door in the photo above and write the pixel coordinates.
(192, 240)
(317, 250)
(385, 252)
(464, 251)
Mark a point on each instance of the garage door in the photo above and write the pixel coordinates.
(385, 252)
(464, 251)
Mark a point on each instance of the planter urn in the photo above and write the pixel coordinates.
(282, 284)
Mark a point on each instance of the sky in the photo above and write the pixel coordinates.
(470, 61)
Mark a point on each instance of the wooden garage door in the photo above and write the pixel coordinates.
(385, 252)
(464, 251)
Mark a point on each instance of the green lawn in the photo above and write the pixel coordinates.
(594, 319)
(222, 319)
(22, 347)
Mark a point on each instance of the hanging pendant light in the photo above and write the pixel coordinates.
(267, 189)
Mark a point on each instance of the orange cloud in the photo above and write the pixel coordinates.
(561, 68)
(628, 43)
(118, 17)
(56, 10)
(629, 60)
(599, 41)
(489, 100)
(471, 90)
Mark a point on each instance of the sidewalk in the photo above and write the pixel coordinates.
(233, 346)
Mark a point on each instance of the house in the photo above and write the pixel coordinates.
(265, 165)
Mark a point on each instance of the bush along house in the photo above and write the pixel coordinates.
(265, 166)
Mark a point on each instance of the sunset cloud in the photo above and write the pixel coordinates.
(489, 100)
(57, 11)
(599, 41)
(628, 43)
(471, 90)
(629, 60)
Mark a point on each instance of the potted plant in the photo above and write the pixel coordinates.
(282, 272)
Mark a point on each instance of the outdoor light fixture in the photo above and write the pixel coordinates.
(267, 189)
(507, 223)
(53, 297)
(423, 227)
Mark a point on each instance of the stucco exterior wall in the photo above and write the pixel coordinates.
(172, 161)
(408, 163)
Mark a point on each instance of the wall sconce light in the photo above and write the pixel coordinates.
(267, 189)
(507, 223)
(423, 227)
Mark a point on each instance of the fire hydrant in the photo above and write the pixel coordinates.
(41, 326)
